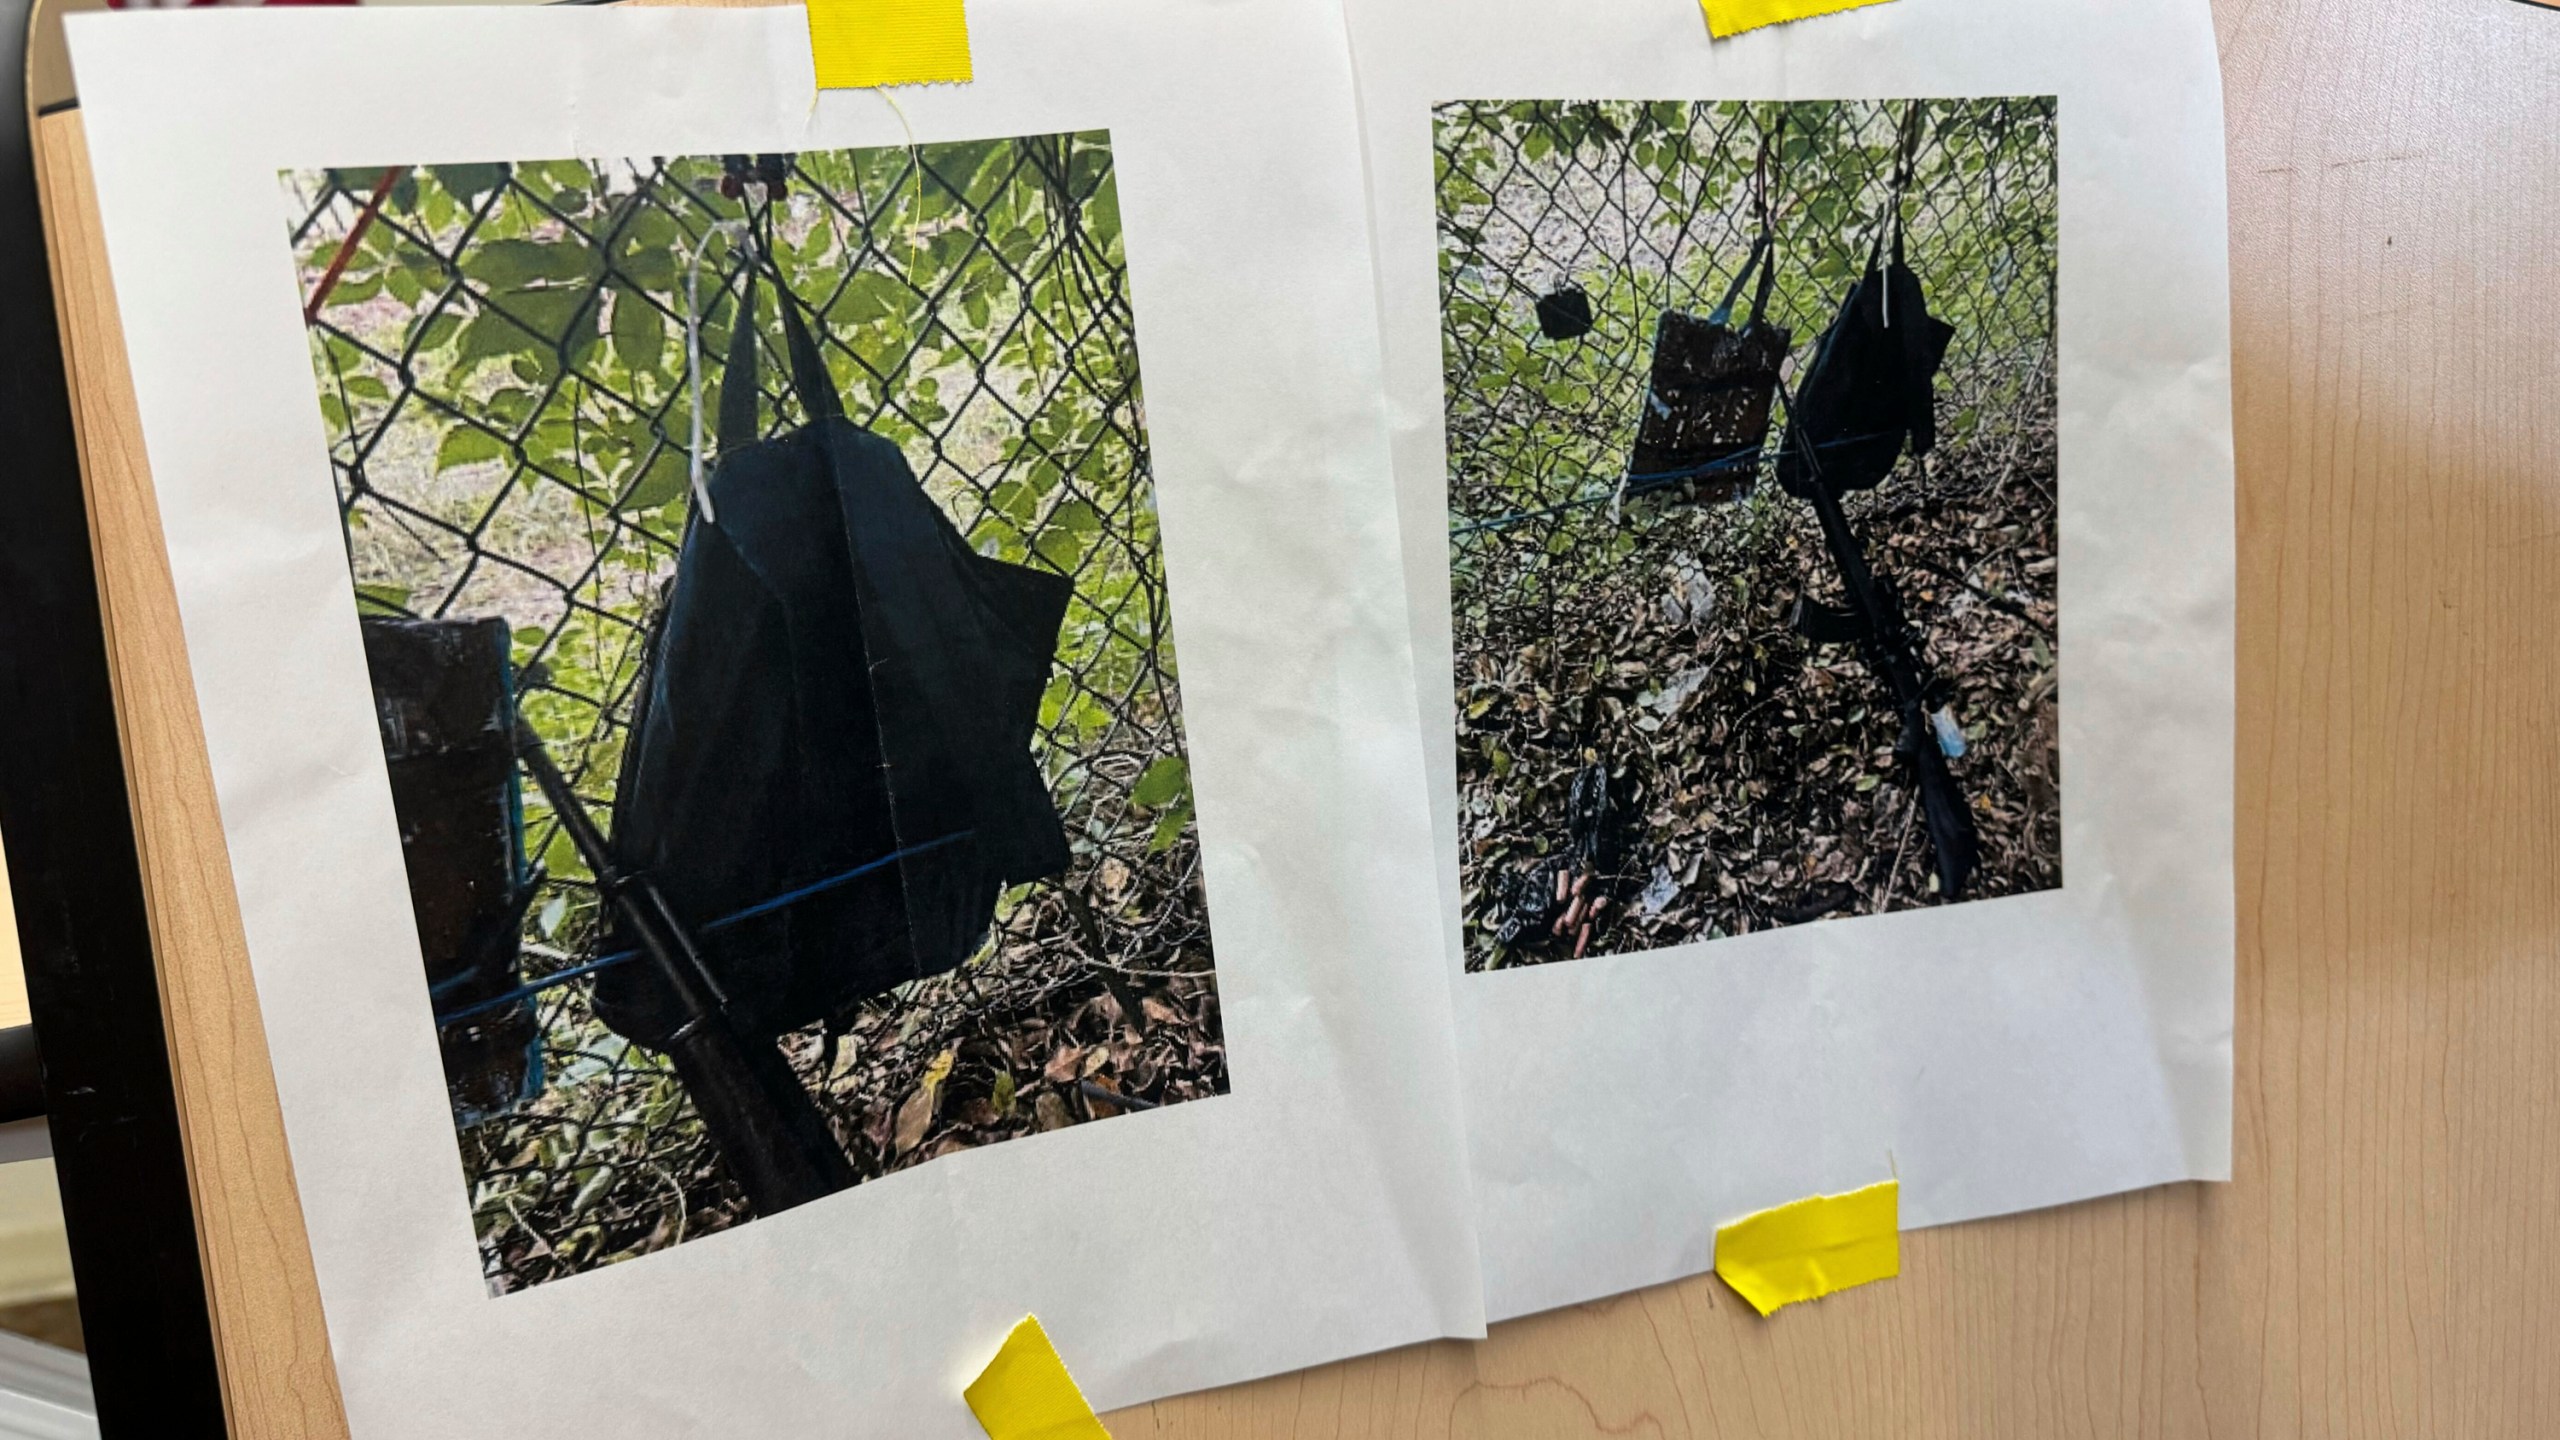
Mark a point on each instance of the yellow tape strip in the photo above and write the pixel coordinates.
(1808, 1248)
(1732, 17)
(863, 43)
(1025, 1393)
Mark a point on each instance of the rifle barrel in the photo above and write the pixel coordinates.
(1885, 641)
(759, 1117)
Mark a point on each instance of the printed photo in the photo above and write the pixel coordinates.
(758, 570)
(1751, 478)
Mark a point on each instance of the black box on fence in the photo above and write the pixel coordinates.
(443, 693)
(1706, 408)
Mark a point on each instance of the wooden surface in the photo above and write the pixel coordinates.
(277, 1378)
(13, 965)
(2384, 1263)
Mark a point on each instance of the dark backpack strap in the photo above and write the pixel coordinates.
(1724, 310)
(808, 366)
(1768, 277)
(740, 382)
(1905, 167)
(1764, 176)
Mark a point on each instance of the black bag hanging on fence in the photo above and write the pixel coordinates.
(1564, 313)
(1869, 390)
(1870, 387)
(829, 774)
(1707, 395)
(444, 699)
(1706, 403)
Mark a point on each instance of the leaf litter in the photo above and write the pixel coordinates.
(1752, 775)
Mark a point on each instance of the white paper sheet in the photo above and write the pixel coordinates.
(1319, 1210)
(2002, 1054)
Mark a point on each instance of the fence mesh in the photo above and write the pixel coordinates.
(512, 359)
(1648, 633)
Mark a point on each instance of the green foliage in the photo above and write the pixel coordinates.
(540, 309)
(1164, 782)
(503, 365)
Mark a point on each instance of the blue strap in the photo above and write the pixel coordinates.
(738, 917)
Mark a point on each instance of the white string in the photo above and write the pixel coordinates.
(915, 166)
(693, 356)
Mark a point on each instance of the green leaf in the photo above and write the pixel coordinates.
(1013, 498)
(467, 444)
(1076, 516)
(490, 334)
(467, 183)
(1061, 547)
(552, 312)
(515, 264)
(438, 332)
(512, 406)
(552, 439)
(378, 599)
(669, 475)
(1168, 779)
(1169, 828)
(639, 332)
(647, 249)
(548, 178)
(870, 297)
(355, 289)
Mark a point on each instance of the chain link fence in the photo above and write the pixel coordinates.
(518, 364)
(1582, 615)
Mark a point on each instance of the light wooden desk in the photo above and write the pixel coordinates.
(2386, 1262)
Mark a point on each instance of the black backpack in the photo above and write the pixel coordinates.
(829, 774)
(1870, 386)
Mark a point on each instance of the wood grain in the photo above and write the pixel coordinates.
(2384, 1262)
(277, 1378)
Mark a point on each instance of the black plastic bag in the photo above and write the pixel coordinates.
(1870, 388)
(1564, 313)
(830, 775)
